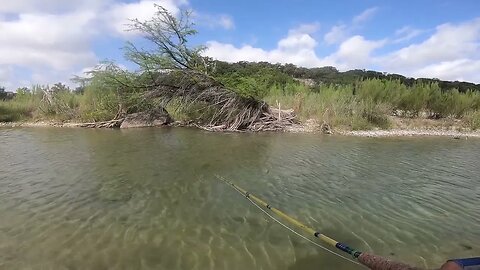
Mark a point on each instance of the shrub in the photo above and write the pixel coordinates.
(473, 119)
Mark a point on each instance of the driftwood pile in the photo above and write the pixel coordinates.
(274, 120)
(105, 124)
(226, 109)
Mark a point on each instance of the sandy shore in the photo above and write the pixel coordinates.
(302, 128)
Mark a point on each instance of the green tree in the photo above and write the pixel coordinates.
(3, 93)
(171, 50)
(59, 88)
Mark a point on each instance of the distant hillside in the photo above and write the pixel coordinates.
(330, 75)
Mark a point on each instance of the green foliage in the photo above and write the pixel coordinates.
(372, 100)
(169, 34)
(13, 111)
(375, 113)
(101, 97)
(254, 81)
(3, 93)
(196, 112)
(334, 105)
(21, 107)
(419, 98)
(473, 119)
(330, 75)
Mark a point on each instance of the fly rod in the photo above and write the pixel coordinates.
(369, 260)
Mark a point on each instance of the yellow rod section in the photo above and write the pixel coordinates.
(295, 222)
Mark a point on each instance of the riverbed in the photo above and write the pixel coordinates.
(148, 198)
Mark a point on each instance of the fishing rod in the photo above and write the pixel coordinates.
(371, 261)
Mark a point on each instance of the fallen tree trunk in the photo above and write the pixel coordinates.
(231, 111)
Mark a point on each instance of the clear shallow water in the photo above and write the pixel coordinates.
(147, 199)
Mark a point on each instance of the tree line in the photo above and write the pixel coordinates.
(331, 75)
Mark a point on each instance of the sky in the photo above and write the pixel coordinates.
(49, 41)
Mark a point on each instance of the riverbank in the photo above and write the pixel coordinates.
(309, 126)
(40, 124)
(411, 133)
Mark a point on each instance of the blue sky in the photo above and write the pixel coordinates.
(46, 41)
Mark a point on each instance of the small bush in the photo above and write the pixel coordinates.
(376, 114)
(473, 120)
(358, 123)
(100, 102)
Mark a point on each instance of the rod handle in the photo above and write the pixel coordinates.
(375, 262)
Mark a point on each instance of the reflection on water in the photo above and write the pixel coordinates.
(147, 199)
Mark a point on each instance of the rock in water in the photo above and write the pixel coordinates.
(155, 118)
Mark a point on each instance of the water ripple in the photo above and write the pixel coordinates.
(147, 199)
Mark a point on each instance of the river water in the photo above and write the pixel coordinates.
(148, 199)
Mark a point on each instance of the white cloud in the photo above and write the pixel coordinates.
(50, 6)
(336, 34)
(297, 41)
(297, 47)
(356, 52)
(306, 28)
(6, 74)
(119, 15)
(406, 33)
(365, 15)
(226, 22)
(214, 21)
(461, 70)
(50, 40)
(449, 46)
(342, 31)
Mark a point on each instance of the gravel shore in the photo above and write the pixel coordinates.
(304, 128)
(411, 133)
(38, 124)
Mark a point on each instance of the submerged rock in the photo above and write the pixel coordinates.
(155, 118)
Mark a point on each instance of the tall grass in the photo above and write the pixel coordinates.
(369, 103)
(12, 111)
(22, 107)
(336, 105)
(425, 98)
(98, 104)
(473, 120)
(30, 105)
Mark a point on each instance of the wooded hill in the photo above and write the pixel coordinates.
(331, 75)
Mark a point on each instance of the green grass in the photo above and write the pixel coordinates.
(18, 109)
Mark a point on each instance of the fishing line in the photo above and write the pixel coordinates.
(298, 234)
